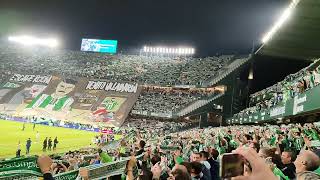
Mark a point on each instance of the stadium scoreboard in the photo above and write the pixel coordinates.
(99, 45)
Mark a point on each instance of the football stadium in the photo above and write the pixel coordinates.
(152, 91)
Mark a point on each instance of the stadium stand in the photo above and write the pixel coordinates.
(166, 71)
(188, 149)
(279, 94)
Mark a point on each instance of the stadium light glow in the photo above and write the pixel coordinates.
(31, 41)
(283, 18)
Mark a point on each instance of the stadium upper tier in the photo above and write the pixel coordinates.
(166, 71)
(278, 95)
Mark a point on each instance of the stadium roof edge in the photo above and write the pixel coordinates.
(298, 37)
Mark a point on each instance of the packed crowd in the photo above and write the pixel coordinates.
(155, 125)
(292, 85)
(166, 100)
(273, 152)
(133, 68)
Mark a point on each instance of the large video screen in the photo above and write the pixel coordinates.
(99, 45)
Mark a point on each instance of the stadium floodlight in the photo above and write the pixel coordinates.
(165, 50)
(30, 41)
(283, 18)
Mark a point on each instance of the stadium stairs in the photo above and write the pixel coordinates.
(226, 71)
(220, 76)
(196, 105)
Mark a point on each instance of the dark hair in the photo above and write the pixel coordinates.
(181, 175)
(204, 154)
(197, 153)
(248, 137)
(291, 154)
(142, 143)
(187, 165)
(214, 154)
(155, 159)
(196, 167)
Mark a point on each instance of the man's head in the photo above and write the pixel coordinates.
(287, 157)
(204, 156)
(142, 143)
(306, 161)
(214, 154)
(195, 157)
(307, 175)
(65, 87)
(179, 172)
(196, 169)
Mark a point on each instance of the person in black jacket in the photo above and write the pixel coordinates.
(49, 144)
(214, 170)
(55, 142)
(288, 168)
(44, 146)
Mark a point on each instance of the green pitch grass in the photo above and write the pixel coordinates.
(11, 133)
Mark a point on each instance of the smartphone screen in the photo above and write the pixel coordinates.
(231, 165)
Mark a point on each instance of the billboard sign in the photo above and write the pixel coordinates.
(99, 45)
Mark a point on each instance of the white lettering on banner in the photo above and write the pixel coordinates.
(42, 79)
(90, 85)
(112, 86)
(31, 78)
(277, 111)
(296, 104)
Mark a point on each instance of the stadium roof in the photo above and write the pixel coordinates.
(299, 36)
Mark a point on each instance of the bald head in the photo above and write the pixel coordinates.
(306, 161)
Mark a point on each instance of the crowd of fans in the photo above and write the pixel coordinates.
(292, 85)
(272, 151)
(166, 100)
(155, 125)
(133, 68)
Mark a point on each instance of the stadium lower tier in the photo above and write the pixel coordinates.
(184, 155)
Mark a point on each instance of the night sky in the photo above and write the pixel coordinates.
(211, 26)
